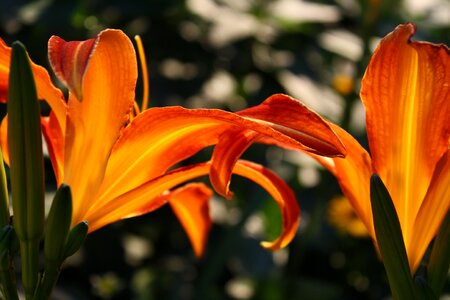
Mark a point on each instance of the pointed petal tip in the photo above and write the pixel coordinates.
(281, 242)
(190, 204)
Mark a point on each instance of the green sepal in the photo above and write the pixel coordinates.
(76, 238)
(439, 263)
(390, 241)
(58, 225)
(26, 163)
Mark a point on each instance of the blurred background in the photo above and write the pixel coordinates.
(231, 54)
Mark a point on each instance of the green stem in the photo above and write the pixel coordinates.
(29, 252)
(48, 281)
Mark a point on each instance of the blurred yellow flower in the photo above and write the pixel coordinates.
(343, 83)
(342, 216)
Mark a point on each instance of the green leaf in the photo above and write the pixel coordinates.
(390, 241)
(439, 263)
(26, 163)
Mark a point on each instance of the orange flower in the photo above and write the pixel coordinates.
(405, 91)
(118, 168)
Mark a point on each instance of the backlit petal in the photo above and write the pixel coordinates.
(432, 212)
(294, 119)
(54, 138)
(161, 137)
(190, 204)
(105, 213)
(94, 122)
(283, 196)
(69, 61)
(406, 92)
(230, 147)
(45, 88)
(134, 200)
(353, 174)
(288, 116)
(5, 60)
(4, 139)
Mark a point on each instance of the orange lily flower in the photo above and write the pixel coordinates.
(405, 91)
(118, 168)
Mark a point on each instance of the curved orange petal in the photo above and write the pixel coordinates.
(190, 204)
(230, 147)
(5, 60)
(125, 204)
(54, 138)
(153, 142)
(432, 212)
(106, 71)
(45, 88)
(161, 137)
(283, 196)
(353, 174)
(4, 139)
(405, 91)
(69, 61)
(132, 201)
(289, 116)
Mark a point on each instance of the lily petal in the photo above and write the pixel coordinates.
(405, 91)
(4, 139)
(190, 205)
(432, 212)
(106, 72)
(161, 137)
(289, 116)
(45, 88)
(5, 60)
(283, 196)
(353, 174)
(54, 138)
(131, 201)
(69, 61)
(230, 147)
